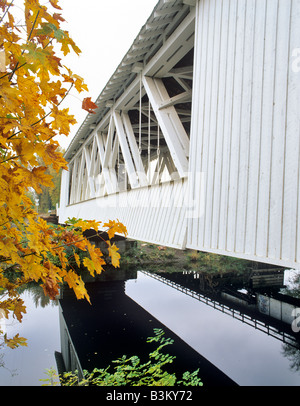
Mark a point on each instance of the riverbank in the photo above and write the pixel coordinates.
(154, 256)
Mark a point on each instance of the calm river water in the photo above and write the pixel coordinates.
(236, 328)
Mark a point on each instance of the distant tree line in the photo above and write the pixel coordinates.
(49, 197)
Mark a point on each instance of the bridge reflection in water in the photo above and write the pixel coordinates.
(235, 328)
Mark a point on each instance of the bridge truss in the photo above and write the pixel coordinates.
(196, 139)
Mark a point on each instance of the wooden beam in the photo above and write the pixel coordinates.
(191, 3)
(170, 124)
(180, 98)
(80, 178)
(134, 149)
(167, 11)
(89, 167)
(132, 175)
(105, 169)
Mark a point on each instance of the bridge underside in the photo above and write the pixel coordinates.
(219, 175)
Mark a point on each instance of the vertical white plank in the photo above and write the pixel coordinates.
(173, 213)
(218, 180)
(73, 181)
(181, 225)
(80, 178)
(243, 171)
(194, 116)
(279, 130)
(139, 210)
(166, 197)
(198, 117)
(291, 210)
(237, 95)
(228, 123)
(210, 119)
(65, 187)
(256, 108)
(267, 117)
(155, 203)
(199, 134)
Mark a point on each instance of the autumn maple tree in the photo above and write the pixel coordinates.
(33, 84)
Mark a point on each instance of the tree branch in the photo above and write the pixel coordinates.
(28, 39)
(45, 116)
(6, 11)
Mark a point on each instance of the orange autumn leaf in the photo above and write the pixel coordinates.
(51, 287)
(54, 3)
(58, 17)
(88, 105)
(19, 309)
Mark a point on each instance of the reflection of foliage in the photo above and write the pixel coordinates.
(2, 365)
(132, 372)
(38, 295)
(293, 355)
(173, 260)
(294, 289)
(217, 263)
(50, 195)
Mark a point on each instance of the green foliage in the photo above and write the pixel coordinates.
(131, 371)
(49, 196)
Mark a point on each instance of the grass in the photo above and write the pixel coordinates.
(153, 256)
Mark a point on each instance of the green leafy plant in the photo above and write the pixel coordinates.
(131, 371)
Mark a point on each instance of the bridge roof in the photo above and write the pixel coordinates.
(164, 19)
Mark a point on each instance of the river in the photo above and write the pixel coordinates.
(232, 326)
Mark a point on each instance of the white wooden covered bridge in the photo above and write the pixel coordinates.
(195, 142)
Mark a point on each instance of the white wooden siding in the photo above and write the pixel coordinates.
(245, 130)
(241, 195)
(155, 214)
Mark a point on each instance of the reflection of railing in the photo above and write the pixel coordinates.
(235, 313)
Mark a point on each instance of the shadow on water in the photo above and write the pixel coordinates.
(234, 326)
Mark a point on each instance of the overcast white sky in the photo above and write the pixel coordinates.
(104, 31)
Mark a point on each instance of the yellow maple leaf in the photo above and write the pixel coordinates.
(87, 225)
(77, 259)
(115, 227)
(32, 268)
(114, 255)
(62, 120)
(76, 283)
(80, 290)
(88, 263)
(95, 262)
(52, 156)
(15, 342)
(35, 177)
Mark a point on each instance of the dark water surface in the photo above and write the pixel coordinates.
(235, 328)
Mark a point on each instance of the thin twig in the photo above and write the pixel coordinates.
(28, 39)
(6, 11)
(45, 116)
(10, 159)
